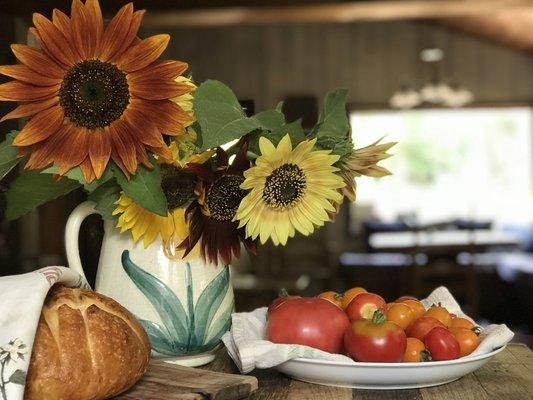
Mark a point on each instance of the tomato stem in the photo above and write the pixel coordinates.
(425, 356)
(378, 317)
(283, 293)
(476, 330)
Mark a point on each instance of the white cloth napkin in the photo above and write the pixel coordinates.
(21, 300)
(247, 346)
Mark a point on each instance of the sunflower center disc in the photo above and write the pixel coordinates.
(94, 93)
(177, 184)
(224, 196)
(285, 186)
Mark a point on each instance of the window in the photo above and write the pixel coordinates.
(471, 164)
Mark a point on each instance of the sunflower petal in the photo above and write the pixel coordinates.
(22, 73)
(53, 41)
(124, 148)
(143, 53)
(87, 170)
(157, 88)
(97, 23)
(99, 151)
(161, 69)
(29, 109)
(131, 35)
(116, 33)
(82, 30)
(46, 152)
(40, 127)
(18, 91)
(37, 61)
(62, 22)
(167, 115)
(142, 128)
(73, 151)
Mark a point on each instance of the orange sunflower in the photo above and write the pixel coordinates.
(94, 93)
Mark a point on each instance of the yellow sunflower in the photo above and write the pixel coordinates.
(185, 100)
(94, 92)
(178, 184)
(290, 190)
(364, 161)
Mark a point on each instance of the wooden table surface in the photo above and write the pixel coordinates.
(508, 376)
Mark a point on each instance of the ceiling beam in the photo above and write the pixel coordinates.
(512, 28)
(333, 12)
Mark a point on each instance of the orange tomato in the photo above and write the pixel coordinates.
(399, 313)
(349, 295)
(402, 298)
(440, 313)
(459, 322)
(416, 306)
(332, 297)
(415, 351)
(468, 340)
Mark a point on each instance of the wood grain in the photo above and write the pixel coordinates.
(336, 12)
(168, 381)
(507, 376)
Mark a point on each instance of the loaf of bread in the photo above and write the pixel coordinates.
(87, 347)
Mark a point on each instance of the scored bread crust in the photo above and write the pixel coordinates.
(87, 347)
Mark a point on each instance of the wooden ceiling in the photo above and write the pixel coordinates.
(508, 22)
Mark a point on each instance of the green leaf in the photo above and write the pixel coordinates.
(341, 146)
(279, 107)
(31, 189)
(162, 298)
(18, 377)
(144, 188)
(76, 175)
(270, 120)
(295, 131)
(8, 155)
(219, 114)
(333, 120)
(105, 197)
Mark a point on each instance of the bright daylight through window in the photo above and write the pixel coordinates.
(473, 164)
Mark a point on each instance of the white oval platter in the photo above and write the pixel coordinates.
(381, 376)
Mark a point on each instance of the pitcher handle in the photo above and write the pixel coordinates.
(72, 233)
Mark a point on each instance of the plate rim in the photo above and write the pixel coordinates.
(399, 365)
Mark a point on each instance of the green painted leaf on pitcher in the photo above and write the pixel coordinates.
(209, 301)
(160, 339)
(165, 302)
(221, 325)
(183, 332)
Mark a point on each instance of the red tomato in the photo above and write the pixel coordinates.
(312, 322)
(442, 345)
(375, 340)
(282, 298)
(421, 327)
(364, 305)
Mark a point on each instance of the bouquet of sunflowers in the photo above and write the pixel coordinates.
(107, 115)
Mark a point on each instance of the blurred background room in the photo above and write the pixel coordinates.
(451, 81)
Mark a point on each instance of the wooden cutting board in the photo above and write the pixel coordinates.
(164, 381)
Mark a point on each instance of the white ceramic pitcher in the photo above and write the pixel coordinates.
(185, 306)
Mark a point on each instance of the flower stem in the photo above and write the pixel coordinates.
(2, 382)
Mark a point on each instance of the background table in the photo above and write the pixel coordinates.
(508, 376)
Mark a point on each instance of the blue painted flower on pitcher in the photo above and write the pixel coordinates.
(189, 328)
